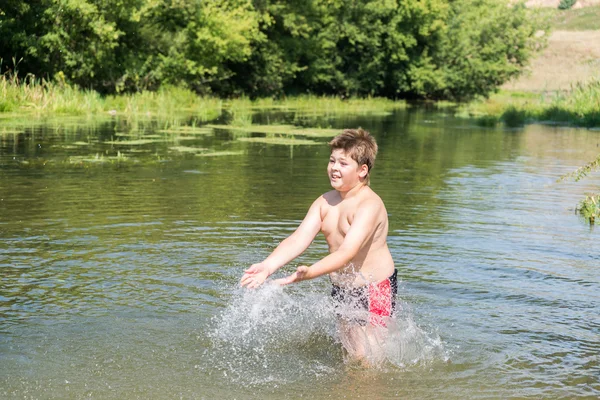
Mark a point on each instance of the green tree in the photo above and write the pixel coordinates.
(192, 42)
(20, 27)
(395, 48)
(486, 44)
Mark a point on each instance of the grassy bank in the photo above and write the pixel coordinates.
(578, 106)
(42, 98)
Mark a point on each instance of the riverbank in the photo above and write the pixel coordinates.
(43, 99)
(562, 84)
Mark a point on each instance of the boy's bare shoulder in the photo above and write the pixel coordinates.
(372, 200)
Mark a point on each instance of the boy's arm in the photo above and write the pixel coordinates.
(361, 231)
(288, 249)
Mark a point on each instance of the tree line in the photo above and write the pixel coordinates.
(438, 49)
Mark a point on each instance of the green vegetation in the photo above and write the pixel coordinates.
(280, 129)
(289, 141)
(169, 104)
(262, 48)
(44, 98)
(220, 153)
(329, 105)
(589, 208)
(582, 172)
(566, 4)
(580, 106)
(37, 96)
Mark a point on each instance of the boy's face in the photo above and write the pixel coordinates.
(344, 172)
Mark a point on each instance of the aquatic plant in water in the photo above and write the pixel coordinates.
(583, 171)
(589, 208)
(187, 149)
(188, 130)
(135, 142)
(220, 153)
(279, 140)
(289, 130)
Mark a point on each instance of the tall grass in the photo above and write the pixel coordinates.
(43, 98)
(166, 102)
(57, 97)
(579, 106)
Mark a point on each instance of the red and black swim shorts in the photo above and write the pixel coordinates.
(371, 303)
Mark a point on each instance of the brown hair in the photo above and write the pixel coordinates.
(359, 145)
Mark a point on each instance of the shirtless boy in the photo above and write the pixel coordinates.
(354, 221)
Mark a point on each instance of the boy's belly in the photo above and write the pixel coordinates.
(374, 269)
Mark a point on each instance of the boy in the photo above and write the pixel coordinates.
(354, 221)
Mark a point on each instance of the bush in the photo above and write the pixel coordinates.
(514, 117)
(566, 4)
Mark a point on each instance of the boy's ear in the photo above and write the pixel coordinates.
(363, 171)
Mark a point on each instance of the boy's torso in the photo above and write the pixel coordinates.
(373, 262)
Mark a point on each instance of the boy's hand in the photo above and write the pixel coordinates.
(255, 276)
(297, 276)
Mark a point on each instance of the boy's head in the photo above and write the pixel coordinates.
(359, 145)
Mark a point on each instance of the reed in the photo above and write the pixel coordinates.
(40, 97)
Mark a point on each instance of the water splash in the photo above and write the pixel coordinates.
(409, 345)
(276, 335)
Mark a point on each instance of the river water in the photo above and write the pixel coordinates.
(119, 276)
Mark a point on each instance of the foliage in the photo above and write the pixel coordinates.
(583, 171)
(114, 45)
(589, 208)
(411, 49)
(566, 4)
(513, 117)
(191, 42)
(580, 106)
(487, 43)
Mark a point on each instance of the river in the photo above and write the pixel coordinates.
(121, 248)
